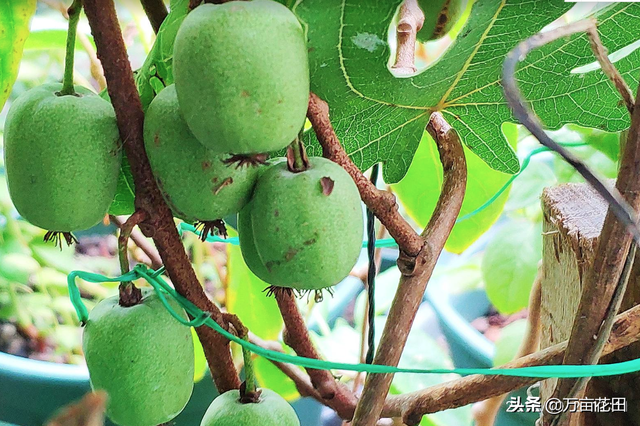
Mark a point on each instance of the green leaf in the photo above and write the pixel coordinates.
(246, 297)
(607, 142)
(51, 40)
(419, 190)
(509, 342)
(527, 188)
(124, 201)
(17, 267)
(601, 152)
(14, 30)
(510, 264)
(380, 118)
(595, 158)
(158, 64)
(200, 360)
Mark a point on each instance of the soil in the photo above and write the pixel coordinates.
(27, 344)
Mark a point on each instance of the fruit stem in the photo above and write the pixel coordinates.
(249, 372)
(130, 295)
(297, 159)
(74, 17)
(249, 392)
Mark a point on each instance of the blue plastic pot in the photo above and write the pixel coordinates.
(469, 348)
(31, 391)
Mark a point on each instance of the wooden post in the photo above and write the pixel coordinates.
(573, 218)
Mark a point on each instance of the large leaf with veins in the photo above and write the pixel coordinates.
(380, 118)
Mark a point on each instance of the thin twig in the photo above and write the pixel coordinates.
(95, 66)
(466, 390)
(134, 220)
(156, 11)
(141, 242)
(410, 22)
(526, 117)
(332, 393)
(608, 68)
(160, 225)
(381, 203)
(411, 288)
(89, 411)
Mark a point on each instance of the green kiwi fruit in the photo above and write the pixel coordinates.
(62, 157)
(270, 410)
(306, 227)
(142, 357)
(196, 182)
(242, 75)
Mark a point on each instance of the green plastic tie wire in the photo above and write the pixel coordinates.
(201, 318)
(390, 242)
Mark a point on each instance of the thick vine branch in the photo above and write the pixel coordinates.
(159, 224)
(331, 392)
(603, 333)
(382, 203)
(411, 288)
(410, 22)
(603, 280)
(156, 12)
(457, 393)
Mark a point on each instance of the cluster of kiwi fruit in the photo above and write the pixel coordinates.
(241, 91)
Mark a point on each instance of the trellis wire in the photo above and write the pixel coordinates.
(162, 288)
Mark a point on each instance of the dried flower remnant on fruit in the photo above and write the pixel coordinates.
(129, 295)
(210, 227)
(242, 160)
(247, 397)
(58, 237)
